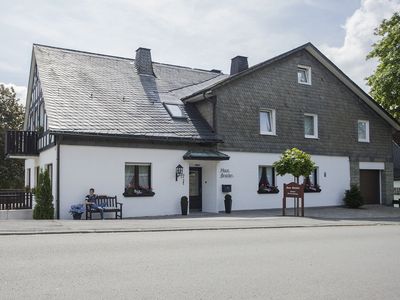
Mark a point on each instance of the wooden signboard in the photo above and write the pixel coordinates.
(296, 191)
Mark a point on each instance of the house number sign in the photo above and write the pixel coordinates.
(225, 173)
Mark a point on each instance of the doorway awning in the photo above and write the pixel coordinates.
(205, 155)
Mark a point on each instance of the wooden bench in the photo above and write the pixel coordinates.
(109, 204)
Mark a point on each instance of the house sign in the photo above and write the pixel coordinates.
(225, 173)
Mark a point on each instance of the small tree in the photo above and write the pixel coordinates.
(44, 208)
(295, 162)
(353, 198)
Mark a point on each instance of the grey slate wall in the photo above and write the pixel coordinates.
(338, 109)
(206, 109)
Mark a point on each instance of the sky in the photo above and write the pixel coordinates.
(202, 34)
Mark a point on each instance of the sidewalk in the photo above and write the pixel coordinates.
(315, 217)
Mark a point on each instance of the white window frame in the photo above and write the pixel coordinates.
(367, 138)
(273, 121)
(308, 74)
(315, 118)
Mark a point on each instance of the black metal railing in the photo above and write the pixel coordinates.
(21, 143)
(15, 199)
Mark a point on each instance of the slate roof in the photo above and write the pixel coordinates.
(88, 93)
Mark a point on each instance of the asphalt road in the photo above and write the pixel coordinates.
(303, 263)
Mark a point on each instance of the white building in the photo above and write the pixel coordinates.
(123, 126)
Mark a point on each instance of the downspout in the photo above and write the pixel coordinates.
(58, 178)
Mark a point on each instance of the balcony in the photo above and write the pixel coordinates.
(21, 144)
(27, 144)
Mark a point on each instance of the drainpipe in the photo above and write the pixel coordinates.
(58, 178)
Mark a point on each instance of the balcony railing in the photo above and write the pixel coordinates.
(27, 143)
(21, 143)
(15, 199)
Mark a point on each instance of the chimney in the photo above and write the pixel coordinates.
(143, 61)
(239, 64)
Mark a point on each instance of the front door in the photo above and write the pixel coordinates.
(195, 188)
(369, 186)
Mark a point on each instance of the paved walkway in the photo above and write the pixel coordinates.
(315, 217)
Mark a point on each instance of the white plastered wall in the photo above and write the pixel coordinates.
(334, 179)
(46, 157)
(103, 168)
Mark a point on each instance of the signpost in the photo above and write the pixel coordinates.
(296, 191)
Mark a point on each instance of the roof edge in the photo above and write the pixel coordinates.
(137, 137)
(122, 57)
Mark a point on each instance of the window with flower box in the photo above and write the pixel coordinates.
(138, 180)
(311, 183)
(266, 180)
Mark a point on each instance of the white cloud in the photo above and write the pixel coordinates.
(351, 56)
(20, 91)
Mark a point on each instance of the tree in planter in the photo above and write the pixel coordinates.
(44, 208)
(295, 162)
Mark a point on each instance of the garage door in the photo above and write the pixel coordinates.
(369, 186)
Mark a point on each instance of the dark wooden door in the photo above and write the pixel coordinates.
(195, 188)
(369, 186)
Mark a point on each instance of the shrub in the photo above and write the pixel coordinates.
(228, 197)
(184, 199)
(353, 198)
(44, 208)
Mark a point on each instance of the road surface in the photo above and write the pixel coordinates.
(296, 263)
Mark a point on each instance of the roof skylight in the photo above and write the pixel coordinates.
(174, 110)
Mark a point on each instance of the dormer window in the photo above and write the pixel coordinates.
(304, 75)
(175, 111)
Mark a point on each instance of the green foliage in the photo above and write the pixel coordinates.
(11, 118)
(385, 82)
(353, 198)
(295, 162)
(44, 208)
(184, 199)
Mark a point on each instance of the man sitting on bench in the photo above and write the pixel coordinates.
(90, 199)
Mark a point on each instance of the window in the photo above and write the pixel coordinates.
(311, 126)
(311, 183)
(49, 169)
(304, 75)
(137, 180)
(267, 122)
(28, 178)
(175, 111)
(363, 131)
(37, 172)
(266, 180)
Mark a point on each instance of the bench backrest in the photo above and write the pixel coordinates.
(106, 201)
